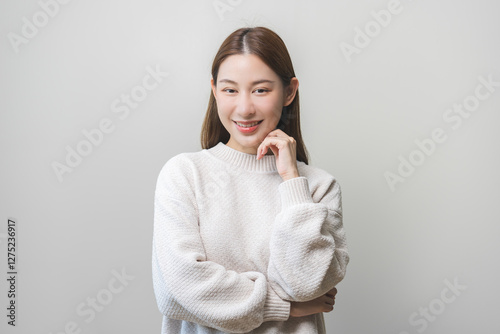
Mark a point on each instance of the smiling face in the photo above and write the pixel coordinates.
(250, 97)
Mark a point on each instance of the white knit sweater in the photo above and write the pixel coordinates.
(233, 243)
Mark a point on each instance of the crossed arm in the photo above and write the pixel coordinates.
(190, 287)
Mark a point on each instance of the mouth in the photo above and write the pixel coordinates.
(247, 126)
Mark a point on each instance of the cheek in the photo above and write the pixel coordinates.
(271, 108)
(222, 108)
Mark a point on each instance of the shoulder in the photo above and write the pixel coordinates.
(175, 182)
(179, 171)
(182, 163)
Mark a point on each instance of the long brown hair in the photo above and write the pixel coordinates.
(271, 49)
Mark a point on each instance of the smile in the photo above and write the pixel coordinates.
(247, 127)
(246, 124)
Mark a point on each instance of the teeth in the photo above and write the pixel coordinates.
(247, 125)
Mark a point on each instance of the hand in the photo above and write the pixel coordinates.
(284, 148)
(321, 304)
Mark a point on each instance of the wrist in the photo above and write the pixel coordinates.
(291, 175)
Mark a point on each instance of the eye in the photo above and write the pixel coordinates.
(261, 90)
(229, 90)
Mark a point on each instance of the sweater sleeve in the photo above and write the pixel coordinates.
(308, 251)
(189, 287)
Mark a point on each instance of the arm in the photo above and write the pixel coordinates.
(308, 249)
(188, 286)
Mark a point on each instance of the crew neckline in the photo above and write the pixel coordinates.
(243, 160)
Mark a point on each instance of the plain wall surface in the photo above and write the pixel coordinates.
(400, 101)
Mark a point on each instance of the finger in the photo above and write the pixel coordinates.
(279, 142)
(266, 149)
(269, 141)
(265, 146)
(262, 149)
(328, 300)
(277, 133)
(332, 292)
(275, 151)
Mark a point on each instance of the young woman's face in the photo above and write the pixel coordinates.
(250, 98)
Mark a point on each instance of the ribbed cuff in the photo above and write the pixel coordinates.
(275, 308)
(295, 191)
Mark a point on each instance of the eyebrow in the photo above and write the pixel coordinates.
(253, 83)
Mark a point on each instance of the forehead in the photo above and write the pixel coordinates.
(245, 68)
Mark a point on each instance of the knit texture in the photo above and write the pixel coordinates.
(233, 243)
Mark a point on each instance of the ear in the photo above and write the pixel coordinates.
(214, 89)
(290, 91)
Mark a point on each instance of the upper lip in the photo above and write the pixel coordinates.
(247, 122)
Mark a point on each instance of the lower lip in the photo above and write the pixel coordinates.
(247, 130)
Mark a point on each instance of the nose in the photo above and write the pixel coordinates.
(245, 107)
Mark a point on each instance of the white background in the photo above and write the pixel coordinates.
(360, 115)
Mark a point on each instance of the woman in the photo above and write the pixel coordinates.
(248, 238)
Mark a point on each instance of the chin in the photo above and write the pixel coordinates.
(251, 143)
